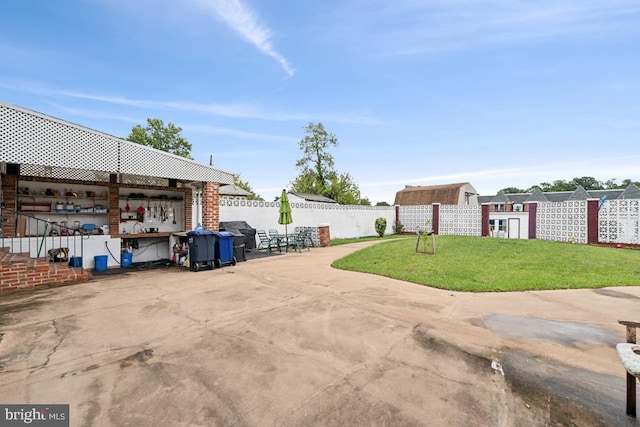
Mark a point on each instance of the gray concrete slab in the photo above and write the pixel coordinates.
(287, 340)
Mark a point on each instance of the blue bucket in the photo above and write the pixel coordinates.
(125, 259)
(75, 261)
(101, 262)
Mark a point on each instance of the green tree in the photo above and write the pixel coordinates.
(381, 226)
(317, 169)
(513, 190)
(166, 138)
(316, 164)
(245, 186)
(587, 182)
(557, 185)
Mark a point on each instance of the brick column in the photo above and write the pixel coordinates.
(592, 221)
(486, 209)
(9, 190)
(436, 219)
(325, 235)
(532, 207)
(211, 206)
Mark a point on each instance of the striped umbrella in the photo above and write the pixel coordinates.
(285, 212)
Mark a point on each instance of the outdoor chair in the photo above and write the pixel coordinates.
(280, 239)
(629, 354)
(267, 243)
(302, 240)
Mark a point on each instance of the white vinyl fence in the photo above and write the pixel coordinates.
(619, 220)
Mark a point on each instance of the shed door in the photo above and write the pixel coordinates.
(514, 228)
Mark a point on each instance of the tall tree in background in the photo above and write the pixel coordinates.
(316, 164)
(166, 138)
(587, 182)
(317, 169)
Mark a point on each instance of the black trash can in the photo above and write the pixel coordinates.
(201, 249)
(239, 252)
(224, 249)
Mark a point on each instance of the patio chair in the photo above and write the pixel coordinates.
(280, 239)
(301, 240)
(266, 242)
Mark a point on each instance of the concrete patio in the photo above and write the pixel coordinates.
(287, 340)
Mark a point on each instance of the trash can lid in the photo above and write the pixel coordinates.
(199, 232)
(223, 233)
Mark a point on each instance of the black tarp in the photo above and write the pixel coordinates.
(240, 228)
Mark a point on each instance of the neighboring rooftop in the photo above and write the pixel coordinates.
(446, 194)
(631, 192)
(233, 191)
(312, 197)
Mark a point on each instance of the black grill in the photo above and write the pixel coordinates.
(243, 233)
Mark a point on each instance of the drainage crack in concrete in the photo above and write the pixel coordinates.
(339, 380)
(344, 378)
(53, 351)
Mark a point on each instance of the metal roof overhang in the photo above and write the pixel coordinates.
(48, 144)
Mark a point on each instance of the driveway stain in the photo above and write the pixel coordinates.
(571, 334)
(140, 357)
(614, 294)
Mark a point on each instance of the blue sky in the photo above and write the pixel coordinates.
(495, 92)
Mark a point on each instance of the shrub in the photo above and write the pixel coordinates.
(381, 226)
(398, 227)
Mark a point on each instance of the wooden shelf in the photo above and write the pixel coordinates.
(40, 196)
(143, 235)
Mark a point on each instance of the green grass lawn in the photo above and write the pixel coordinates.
(481, 264)
(337, 242)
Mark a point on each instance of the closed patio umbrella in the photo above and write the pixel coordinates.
(285, 212)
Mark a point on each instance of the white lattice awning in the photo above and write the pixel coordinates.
(31, 138)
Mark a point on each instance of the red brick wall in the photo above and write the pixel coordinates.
(30, 274)
(325, 236)
(211, 206)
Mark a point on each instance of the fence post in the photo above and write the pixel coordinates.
(325, 235)
(436, 219)
(532, 207)
(592, 221)
(485, 219)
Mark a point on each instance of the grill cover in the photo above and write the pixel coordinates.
(243, 228)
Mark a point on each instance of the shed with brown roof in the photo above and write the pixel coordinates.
(461, 193)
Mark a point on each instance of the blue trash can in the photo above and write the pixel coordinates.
(125, 259)
(201, 249)
(224, 249)
(101, 262)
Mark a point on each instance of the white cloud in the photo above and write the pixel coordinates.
(242, 19)
(231, 110)
(215, 130)
(436, 26)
